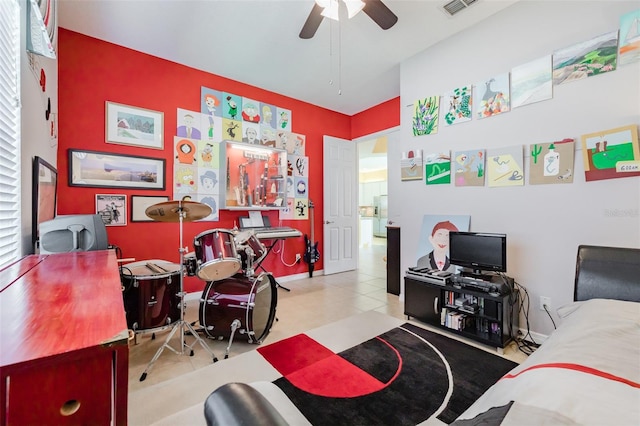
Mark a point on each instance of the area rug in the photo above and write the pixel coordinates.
(401, 377)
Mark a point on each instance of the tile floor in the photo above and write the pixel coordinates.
(312, 302)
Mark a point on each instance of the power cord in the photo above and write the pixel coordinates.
(550, 317)
(526, 344)
(281, 251)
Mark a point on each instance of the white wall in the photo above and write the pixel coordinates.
(544, 223)
(35, 140)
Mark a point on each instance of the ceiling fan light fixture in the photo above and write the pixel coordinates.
(353, 7)
(330, 9)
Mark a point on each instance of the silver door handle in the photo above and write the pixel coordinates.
(326, 222)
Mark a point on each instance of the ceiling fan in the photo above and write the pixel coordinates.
(376, 10)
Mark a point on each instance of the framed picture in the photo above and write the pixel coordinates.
(45, 180)
(103, 169)
(127, 125)
(112, 208)
(140, 203)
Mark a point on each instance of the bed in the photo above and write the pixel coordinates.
(588, 370)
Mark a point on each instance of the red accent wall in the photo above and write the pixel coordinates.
(380, 117)
(92, 72)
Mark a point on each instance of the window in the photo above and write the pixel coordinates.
(10, 228)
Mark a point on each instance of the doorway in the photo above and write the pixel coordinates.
(372, 202)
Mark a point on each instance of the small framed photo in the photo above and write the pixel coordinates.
(112, 208)
(109, 170)
(140, 203)
(128, 125)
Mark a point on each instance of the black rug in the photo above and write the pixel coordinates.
(417, 381)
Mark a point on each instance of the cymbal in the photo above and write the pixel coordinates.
(169, 211)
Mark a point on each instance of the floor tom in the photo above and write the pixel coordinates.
(150, 293)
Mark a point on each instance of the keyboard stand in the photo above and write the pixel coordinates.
(269, 247)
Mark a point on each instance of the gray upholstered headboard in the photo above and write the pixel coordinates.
(607, 273)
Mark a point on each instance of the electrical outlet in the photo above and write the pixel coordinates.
(545, 301)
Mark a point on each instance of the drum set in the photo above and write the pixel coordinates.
(235, 299)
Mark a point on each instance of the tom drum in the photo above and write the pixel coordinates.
(251, 300)
(150, 293)
(216, 255)
(251, 250)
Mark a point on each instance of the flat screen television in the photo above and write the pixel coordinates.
(477, 252)
(76, 232)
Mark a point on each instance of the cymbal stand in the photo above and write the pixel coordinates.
(180, 325)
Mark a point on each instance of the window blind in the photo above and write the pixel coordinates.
(9, 132)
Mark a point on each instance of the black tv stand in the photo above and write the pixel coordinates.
(484, 316)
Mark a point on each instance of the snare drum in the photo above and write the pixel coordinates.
(251, 300)
(216, 254)
(150, 293)
(247, 240)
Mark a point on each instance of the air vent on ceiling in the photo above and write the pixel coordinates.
(456, 6)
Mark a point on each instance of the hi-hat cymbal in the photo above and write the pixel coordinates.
(169, 211)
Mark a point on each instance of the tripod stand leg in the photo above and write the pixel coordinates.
(201, 341)
(159, 351)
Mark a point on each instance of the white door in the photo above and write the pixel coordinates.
(340, 214)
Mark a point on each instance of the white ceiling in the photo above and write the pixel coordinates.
(347, 67)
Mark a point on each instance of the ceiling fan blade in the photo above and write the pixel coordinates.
(312, 23)
(381, 14)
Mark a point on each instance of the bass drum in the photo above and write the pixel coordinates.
(251, 300)
(150, 293)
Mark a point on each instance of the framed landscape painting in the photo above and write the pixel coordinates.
(102, 169)
(127, 125)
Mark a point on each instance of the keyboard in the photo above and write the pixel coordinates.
(275, 232)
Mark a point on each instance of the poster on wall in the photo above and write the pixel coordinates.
(611, 154)
(437, 168)
(468, 167)
(286, 213)
(283, 119)
(196, 172)
(491, 96)
(299, 165)
(268, 117)
(551, 162)
(251, 133)
(300, 208)
(586, 59)
(210, 101)
(505, 166)
(411, 165)
(293, 143)
(112, 209)
(433, 246)
(458, 102)
(232, 130)
(425, 116)
(250, 111)
(190, 124)
(531, 82)
(629, 43)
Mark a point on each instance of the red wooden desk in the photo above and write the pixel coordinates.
(63, 341)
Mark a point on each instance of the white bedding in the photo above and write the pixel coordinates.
(586, 372)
